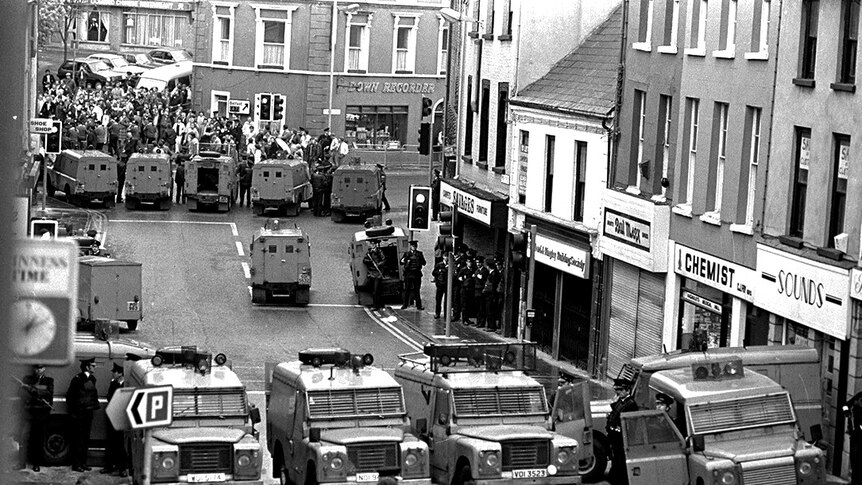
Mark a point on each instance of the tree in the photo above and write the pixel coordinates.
(56, 17)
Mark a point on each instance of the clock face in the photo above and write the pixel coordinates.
(33, 327)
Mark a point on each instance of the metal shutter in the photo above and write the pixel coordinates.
(650, 314)
(623, 318)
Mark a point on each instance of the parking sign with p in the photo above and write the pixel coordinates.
(151, 406)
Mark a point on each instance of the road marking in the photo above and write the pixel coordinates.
(246, 270)
(150, 221)
(394, 331)
(233, 229)
(240, 251)
(294, 309)
(336, 305)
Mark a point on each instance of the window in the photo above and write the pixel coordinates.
(808, 56)
(748, 170)
(375, 126)
(644, 26)
(697, 41)
(665, 119)
(718, 161)
(693, 120)
(760, 31)
(489, 19)
(523, 162)
(640, 164)
(443, 53)
(358, 33)
(550, 147)
(671, 27)
(223, 25)
(727, 34)
(800, 181)
(502, 127)
(405, 45)
(849, 41)
(272, 49)
(839, 187)
(580, 179)
(468, 118)
(219, 102)
(97, 26)
(484, 120)
(154, 28)
(507, 20)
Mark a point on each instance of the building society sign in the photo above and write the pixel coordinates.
(804, 291)
(715, 272)
(467, 204)
(561, 256)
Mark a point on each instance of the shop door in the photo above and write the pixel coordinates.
(650, 314)
(575, 320)
(544, 289)
(623, 316)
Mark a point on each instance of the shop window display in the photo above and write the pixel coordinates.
(704, 320)
(376, 127)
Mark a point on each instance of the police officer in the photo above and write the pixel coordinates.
(489, 295)
(82, 399)
(317, 182)
(480, 276)
(37, 395)
(623, 403)
(853, 411)
(115, 452)
(375, 262)
(385, 201)
(180, 178)
(413, 261)
(468, 288)
(440, 274)
(663, 402)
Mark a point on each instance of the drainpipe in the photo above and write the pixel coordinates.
(614, 134)
(771, 118)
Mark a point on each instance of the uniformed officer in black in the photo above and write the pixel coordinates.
(375, 263)
(413, 261)
(37, 395)
(623, 403)
(853, 411)
(115, 452)
(82, 399)
(440, 275)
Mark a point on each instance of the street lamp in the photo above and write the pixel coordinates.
(351, 9)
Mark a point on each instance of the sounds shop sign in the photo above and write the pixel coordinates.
(810, 293)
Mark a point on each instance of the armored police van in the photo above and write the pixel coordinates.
(357, 191)
(211, 181)
(484, 419)
(109, 289)
(280, 185)
(280, 263)
(393, 242)
(727, 425)
(333, 418)
(84, 176)
(212, 438)
(149, 180)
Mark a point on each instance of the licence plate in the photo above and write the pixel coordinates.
(222, 199)
(352, 214)
(533, 473)
(304, 279)
(132, 306)
(206, 477)
(367, 477)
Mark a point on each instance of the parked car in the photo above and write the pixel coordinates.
(139, 59)
(87, 71)
(120, 64)
(169, 55)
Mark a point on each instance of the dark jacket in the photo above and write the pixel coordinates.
(37, 393)
(82, 395)
(413, 262)
(440, 274)
(375, 262)
(180, 176)
(624, 405)
(112, 388)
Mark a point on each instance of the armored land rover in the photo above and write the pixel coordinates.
(84, 176)
(280, 185)
(211, 181)
(333, 418)
(149, 180)
(280, 263)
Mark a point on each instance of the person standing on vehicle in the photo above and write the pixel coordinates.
(375, 263)
(37, 395)
(413, 261)
(623, 403)
(82, 399)
(383, 187)
(180, 178)
(245, 174)
(115, 451)
(440, 274)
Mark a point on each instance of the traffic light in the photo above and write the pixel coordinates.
(425, 138)
(43, 228)
(277, 106)
(518, 251)
(426, 106)
(266, 106)
(54, 140)
(418, 212)
(445, 238)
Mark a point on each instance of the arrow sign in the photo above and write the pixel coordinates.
(150, 407)
(116, 409)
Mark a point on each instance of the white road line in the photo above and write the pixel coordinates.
(246, 270)
(240, 250)
(336, 305)
(233, 229)
(148, 221)
(394, 331)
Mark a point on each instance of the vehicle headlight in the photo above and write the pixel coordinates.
(725, 477)
(805, 468)
(336, 463)
(563, 456)
(168, 462)
(410, 459)
(491, 459)
(243, 460)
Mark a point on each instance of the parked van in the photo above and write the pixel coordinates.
(84, 176)
(109, 289)
(357, 191)
(149, 180)
(282, 185)
(166, 76)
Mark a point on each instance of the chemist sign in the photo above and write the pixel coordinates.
(728, 277)
(562, 256)
(44, 314)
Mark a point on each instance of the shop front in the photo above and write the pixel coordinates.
(809, 304)
(634, 242)
(562, 292)
(714, 301)
(482, 216)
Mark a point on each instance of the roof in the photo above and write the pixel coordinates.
(318, 378)
(680, 384)
(584, 81)
(279, 162)
(103, 261)
(282, 231)
(752, 355)
(87, 154)
(363, 236)
(183, 377)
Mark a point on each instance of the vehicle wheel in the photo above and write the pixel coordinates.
(310, 475)
(258, 295)
(302, 296)
(595, 470)
(57, 447)
(132, 324)
(257, 209)
(337, 216)
(294, 211)
(463, 475)
(165, 205)
(131, 204)
(191, 204)
(110, 202)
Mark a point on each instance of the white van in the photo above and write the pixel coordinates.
(166, 76)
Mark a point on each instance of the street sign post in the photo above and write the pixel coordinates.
(150, 407)
(44, 316)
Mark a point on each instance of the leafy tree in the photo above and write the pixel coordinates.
(56, 17)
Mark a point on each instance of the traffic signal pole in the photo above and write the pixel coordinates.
(450, 272)
(526, 332)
